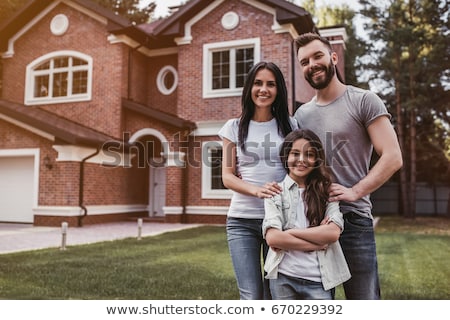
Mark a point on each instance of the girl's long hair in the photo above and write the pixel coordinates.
(280, 109)
(317, 182)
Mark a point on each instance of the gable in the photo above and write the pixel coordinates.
(35, 11)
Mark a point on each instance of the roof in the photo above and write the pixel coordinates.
(157, 34)
(64, 130)
(34, 7)
(163, 117)
(161, 32)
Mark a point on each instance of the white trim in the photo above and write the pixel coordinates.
(113, 39)
(162, 74)
(172, 210)
(70, 211)
(173, 158)
(335, 32)
(230, 20)
(28, 127)
(151, 132)
(207, 191)
(59, 24)
(208, 50)
(10, 51)
(34, 152)
(208, 128)
(276, 27)
(207, 210)
(109, 158)
(187, 38)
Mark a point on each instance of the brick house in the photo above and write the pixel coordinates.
(102, 120)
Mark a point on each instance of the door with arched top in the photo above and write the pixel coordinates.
(157, 196)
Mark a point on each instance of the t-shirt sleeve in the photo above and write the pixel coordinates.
(230, 130)
(372, 108)
(294, 123)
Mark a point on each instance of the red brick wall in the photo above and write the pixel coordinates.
(253, 23)
(85, 35)
(155, 99)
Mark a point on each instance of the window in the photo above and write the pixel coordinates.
(167, 80)
(212, 185)
(225, 66)
(59, 77)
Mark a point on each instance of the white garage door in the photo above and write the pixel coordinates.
(16, 189)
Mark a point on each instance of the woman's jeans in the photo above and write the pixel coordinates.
(358, 243)
(247, 247)
(290, 288)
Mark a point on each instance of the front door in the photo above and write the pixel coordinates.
(157, 196)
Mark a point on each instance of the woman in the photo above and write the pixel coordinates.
(251, 168)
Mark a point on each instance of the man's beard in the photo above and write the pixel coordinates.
(322, 84)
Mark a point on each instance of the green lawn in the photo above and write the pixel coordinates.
(414, 260)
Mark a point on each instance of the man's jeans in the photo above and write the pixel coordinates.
(247, 246)
(358, 243)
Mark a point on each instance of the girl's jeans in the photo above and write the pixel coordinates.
(247, 247)
(290, 288)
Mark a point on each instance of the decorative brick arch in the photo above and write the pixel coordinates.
(172, 158)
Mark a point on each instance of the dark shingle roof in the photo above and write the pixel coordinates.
(64, 130)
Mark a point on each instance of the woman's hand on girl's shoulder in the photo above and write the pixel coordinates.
(268, 190)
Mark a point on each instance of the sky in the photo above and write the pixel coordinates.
(162, 5)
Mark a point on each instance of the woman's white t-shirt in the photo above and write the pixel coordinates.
(259, 164)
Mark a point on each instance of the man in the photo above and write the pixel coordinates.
(351, 122)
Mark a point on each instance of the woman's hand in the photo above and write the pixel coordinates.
(268, 190)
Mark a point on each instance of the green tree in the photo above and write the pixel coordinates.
(342, 16)
(8, 8)
(130, 9)
(409, 57)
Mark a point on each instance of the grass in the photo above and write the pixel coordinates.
(414, 260)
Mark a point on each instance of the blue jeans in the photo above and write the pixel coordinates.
(358, 243)
(290, 288)
(247, 247)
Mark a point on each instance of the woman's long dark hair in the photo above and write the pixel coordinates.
(317, 182)
(279, 107)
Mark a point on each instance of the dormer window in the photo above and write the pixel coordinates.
(225, 66)
(63, 76)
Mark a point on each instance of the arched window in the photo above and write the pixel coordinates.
(62, 76)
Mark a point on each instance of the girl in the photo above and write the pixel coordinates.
(250, 159)
(302, 227)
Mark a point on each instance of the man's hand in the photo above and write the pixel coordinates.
(340, 193)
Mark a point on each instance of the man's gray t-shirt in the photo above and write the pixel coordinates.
(342, 128)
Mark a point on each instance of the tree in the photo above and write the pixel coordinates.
(409, 57)
(130, 9)
(343, 15)
(8, 7)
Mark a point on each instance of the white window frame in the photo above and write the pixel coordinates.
(208, 50)
(163, 73)
(31, 74)
(207, 191)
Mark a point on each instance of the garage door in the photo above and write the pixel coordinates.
(16, 189)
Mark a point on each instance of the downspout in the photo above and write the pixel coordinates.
(130, 67)
(81, 188)
(293, 61)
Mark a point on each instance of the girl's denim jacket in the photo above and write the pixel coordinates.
(281, 212)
